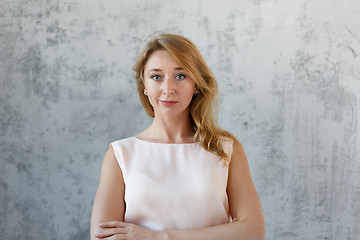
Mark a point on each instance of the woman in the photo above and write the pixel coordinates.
(183, 177)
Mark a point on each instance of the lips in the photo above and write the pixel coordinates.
(168, 102)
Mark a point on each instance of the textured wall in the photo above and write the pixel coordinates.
(289, 76)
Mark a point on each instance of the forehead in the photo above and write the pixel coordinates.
(161, 59)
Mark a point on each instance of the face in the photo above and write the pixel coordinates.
(168, 87)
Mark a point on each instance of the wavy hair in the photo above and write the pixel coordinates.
(204, 104)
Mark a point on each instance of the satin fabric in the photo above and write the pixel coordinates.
(173, 186)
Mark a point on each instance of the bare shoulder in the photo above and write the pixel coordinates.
(239, 171)
(238, 153)
(110, 157)
(110, 168)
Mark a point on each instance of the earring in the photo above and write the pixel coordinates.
(196, 92)
(145, 93)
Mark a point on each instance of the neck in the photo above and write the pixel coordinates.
(170, 129)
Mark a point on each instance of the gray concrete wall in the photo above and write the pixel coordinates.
(289, 76)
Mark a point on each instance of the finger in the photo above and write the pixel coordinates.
(118, 237)
(108, 232)
(113, 224)
(115, 237)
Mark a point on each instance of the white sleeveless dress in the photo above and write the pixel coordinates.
(173, 186)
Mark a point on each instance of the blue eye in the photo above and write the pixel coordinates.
(156, 77)
(180, 76)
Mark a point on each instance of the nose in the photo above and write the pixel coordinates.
(168, 86)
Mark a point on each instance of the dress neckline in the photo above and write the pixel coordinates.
(138, 139)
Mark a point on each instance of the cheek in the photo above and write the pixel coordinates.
(188, 95)
(190, 89)
(152, 94)
(151, 97)
(150, 89)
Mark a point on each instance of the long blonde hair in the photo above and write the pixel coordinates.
(204, 105)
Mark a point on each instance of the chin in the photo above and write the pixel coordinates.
(169, 113)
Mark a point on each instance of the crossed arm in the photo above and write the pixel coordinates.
(107, 220)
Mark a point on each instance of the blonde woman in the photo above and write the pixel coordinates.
(183, 177)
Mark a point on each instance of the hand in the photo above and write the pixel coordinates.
(121, 230)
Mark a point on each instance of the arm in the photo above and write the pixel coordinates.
(109, 202)
(244, 205)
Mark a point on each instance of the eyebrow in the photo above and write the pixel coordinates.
(158, 70)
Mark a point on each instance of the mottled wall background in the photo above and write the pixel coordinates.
(289, 76)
